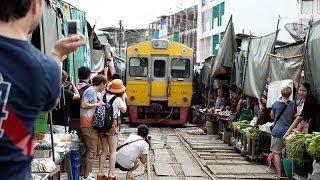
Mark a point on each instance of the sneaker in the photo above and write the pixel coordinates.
(91, 176)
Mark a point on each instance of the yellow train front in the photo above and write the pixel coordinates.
(159, 82)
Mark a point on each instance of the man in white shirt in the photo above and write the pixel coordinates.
(135, 152)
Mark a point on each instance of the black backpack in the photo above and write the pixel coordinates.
(74, 111)
(103, 116)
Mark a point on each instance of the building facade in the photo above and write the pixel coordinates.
(180, 27)
(120, 40)
(249, 16)
(309, 9)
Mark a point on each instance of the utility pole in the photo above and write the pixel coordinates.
(120, 37)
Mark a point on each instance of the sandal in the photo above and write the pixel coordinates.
(103, 177)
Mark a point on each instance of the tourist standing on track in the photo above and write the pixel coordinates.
(109, 140)
(89, 103)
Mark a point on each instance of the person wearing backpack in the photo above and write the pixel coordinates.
(116, 98)
(89, 103)
(74, 111)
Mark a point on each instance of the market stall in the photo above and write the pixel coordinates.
(54, 153)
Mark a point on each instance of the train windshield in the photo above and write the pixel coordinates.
(180, 68)
(138, 67)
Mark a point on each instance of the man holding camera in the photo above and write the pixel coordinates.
(29, 83)
(134, 151)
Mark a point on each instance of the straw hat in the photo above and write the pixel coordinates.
(116, 86)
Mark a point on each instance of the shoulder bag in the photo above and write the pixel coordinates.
(121, 146)
(278, 117)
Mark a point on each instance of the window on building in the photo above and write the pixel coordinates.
(217, 15)
(180, 68)
(221, 13)
(138, 67)
(318, 7)
(159, 68)
(215, 42)
(202, 22)
(307, 7)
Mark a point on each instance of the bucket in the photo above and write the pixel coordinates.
(298, 166)
(75, 164)
(209, 127)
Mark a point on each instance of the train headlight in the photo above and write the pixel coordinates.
(185, 99)
(132, 98)
(160, 44)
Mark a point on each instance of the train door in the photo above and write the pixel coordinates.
(159, 78)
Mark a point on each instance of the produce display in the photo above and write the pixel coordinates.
(241, 124)
(313, 144)
(254, 132)
(296, 146)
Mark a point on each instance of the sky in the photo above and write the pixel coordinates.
(134, 13)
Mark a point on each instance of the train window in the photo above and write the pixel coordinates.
(138, 67)
(180, 68)
(159, 68)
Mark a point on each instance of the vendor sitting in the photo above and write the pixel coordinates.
(220, 100)
(245, 108)
(234, 98)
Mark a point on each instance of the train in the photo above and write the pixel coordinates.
(159, 77)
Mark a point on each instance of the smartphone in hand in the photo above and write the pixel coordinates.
(73, 27)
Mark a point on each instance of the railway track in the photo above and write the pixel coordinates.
(176, 155)
(170, 158)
